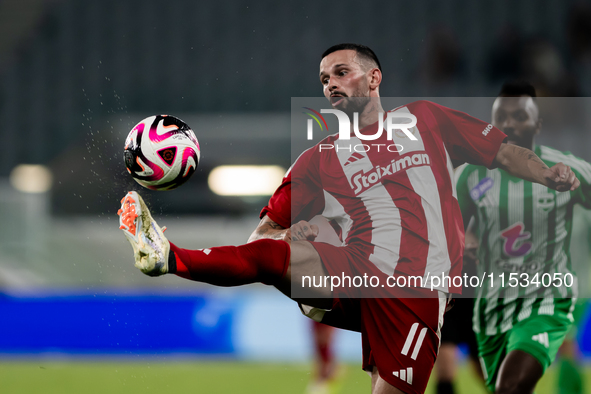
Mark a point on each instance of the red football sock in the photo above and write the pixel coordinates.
(265, 260)
(323, 347)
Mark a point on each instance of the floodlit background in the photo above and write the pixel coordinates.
(76, 75)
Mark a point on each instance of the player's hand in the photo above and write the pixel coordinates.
(303, 231)
(561, 178)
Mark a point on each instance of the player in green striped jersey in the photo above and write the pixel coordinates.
(523, 230)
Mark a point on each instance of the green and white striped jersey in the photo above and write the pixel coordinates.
(524, 232)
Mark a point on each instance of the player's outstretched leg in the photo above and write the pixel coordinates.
(150, 247)
(265, 260)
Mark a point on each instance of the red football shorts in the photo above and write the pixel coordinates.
(400, 336)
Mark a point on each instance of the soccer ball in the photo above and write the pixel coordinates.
(161, 152)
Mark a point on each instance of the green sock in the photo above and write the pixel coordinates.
(570, 380)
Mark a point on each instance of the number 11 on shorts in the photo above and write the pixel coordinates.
(409, 340)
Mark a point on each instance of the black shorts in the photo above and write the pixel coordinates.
(457, 326)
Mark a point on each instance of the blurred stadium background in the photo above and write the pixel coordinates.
(76, 75)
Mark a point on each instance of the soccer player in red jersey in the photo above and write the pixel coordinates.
(397, 213)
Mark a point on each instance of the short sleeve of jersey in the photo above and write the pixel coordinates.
(466, 138)
(467, 205)
(299, 197)
(278, 208)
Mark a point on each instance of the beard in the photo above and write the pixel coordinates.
(349, 105)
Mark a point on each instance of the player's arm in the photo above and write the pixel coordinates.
(467, 206)
(268, 229)
(471, 140)
(469, 215)
(471, 244)
(525, 164)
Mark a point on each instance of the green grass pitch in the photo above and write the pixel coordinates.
(211, 377)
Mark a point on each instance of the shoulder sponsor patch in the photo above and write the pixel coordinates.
(483, 186)
(487, 129)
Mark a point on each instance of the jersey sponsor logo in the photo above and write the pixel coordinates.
(483, 186)
(487, 130)
(410, 338)
(529, 267)
(545, 201)
(542, 338)
(513, 236)
(365, 180)
(404, 374)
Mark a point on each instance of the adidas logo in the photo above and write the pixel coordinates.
(404, 374)
(542, 338)
(354, 157)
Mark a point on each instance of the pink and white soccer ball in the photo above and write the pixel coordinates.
(161, 152)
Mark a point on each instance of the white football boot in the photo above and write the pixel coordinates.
(150, 246)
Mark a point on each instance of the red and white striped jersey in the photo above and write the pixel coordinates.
(399, 209)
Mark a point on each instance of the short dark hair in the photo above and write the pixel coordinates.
(361, 50)
(518, 88)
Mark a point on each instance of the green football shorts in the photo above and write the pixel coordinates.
(539, 335)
